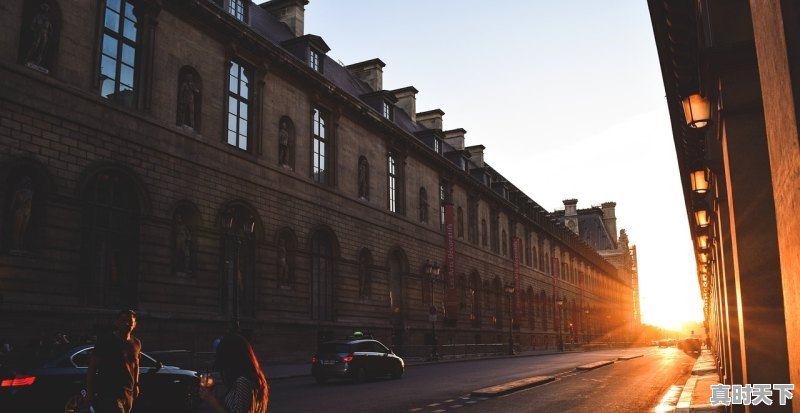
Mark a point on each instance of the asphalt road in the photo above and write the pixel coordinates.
(627, 386)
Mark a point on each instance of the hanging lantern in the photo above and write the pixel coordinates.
(699, 180)
(697, 110)
(702, 242)
(702, 218)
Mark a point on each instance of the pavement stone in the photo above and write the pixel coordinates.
(592, 366)
(624, 358)
(513, 386)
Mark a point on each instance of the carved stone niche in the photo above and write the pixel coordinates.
(40, 33)
(185, 229)
(22, 210)
(285, 251)
(190, 99)
(286, 142)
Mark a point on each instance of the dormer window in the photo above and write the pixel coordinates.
(236, 8)
(387, 111)
(437, 146)
(314, 60)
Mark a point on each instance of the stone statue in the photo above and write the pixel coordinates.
(183, 246)
(21, 205)
(186, 101)
(41, 30)
(363, 189)
(283, 263)
(283, 143)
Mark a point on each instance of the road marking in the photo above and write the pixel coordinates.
(433, 404)
(449, 400)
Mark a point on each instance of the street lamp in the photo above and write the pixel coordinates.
(510, 292)
(238, 228)
(697, 110)
(432, 271)
(560, 303)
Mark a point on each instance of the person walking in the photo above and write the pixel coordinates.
(112, 382)
(247, 390)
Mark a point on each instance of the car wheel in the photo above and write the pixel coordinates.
(360, 376)
(321, 379)
(397, 372)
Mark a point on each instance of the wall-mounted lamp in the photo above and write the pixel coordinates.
(697, 110)
(703, 257)
(699, 180)
(432, 270)
(702, 218)
(702, 242)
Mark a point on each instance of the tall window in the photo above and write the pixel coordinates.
(321, 277)
(442, 200)
(236, 9)
(392, 183)
(118, 58)
(320, 141)
(387, 110)
(314, 60)
(238, 104)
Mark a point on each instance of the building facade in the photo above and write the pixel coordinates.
(206, 163)
(731, 73)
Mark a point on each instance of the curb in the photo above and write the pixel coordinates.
(624, 358)
(592, 366)
(511, 387)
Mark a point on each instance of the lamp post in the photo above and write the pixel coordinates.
(432, 271)
(559, 303)
(587, 329)
(238, 227)
(509, 288)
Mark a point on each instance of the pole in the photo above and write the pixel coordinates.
(510, 325)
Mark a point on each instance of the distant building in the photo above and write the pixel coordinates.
(731, 74)
(207, 163)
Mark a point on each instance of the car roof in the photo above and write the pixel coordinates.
(356, 341)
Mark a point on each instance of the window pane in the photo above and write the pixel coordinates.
(130, 30)
(243, 126)
(244, 92)
(126, 75)
(113, 4)
(107, 88)
(110, 46)
(242, 141)
(129, 11)
(232, 122)
(108, 67)
(243, 110)
(112, 20)
(232, 105)
(128, 54)
(231, 138)
(233, 85)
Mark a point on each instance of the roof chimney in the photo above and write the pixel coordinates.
(610, 219)
(477, 154)
(370, 71)
(571, 215)
(431, 119)
(407, 100)
(455, 138)
(290, 12)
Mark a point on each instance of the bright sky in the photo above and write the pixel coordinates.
(567, 97)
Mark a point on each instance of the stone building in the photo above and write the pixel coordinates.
(597, 226)
(731, 72)
(206, 163)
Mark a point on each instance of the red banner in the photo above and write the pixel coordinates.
(515, 252)
(450, 261)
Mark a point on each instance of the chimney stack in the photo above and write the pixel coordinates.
(370, 71)
(407, 100)
(476, 152)
(610, 219)
(455, 138)
(431, 119)
(571, 215)
(290, 12)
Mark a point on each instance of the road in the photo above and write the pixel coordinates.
(634, 385)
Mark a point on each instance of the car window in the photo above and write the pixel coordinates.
(81, 358)
(334, 348)
(380, 348)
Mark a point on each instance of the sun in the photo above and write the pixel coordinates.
(671, 312)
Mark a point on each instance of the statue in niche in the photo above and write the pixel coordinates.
(283, 263)
(283, 143)
(183, 246)
(21, 206)
(41, 29)
(363, 185)
(189, 91)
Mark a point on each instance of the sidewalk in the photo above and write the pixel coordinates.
(696, 394)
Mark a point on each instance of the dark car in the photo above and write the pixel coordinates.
(43, 383)
(691, 345)
(356, 359)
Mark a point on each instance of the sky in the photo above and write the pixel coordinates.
(566, 96)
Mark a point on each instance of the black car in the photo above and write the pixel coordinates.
(356, 359)
(44, 384)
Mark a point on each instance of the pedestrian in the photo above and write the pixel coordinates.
(112, 382)
(247, 390)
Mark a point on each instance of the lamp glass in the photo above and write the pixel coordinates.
(702, 242)
(699, 180)
(697, 110)
(702, 218)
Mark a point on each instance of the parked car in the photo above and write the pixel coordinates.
(36, 382)
(691, 345)
(355, 359)
(667, 342)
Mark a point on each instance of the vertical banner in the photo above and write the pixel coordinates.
(450, 261)
(515, 252)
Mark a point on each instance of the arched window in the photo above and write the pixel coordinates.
(239, 258)
(423, 205)
(111, 243)
(322, 287)
(319, 170)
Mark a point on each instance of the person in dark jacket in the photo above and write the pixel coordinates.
(112, 382)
